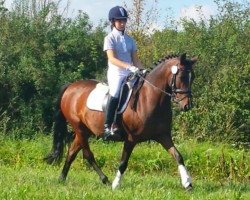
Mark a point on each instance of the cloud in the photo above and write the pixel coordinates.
(8, 3)
(197, 12)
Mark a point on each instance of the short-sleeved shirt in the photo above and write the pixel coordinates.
(123, 45)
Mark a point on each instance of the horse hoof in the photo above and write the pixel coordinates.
(189, 187)
(115, 186)
(61, 179)
(105, 180)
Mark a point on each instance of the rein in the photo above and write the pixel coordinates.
(173, 87)
(169, 94)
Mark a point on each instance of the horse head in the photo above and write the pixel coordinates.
(180, 81)
(173, 76)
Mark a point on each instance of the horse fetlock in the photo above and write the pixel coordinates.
(185, 177)
(117, 180)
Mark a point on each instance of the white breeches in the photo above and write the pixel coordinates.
(115, 80)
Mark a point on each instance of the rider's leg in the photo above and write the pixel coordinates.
(110, 114)
(115, 80)
(110, 111)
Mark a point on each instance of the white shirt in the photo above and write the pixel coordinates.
(123, 45)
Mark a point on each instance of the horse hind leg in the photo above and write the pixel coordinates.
(89, 156)
(73, 150)
(81, 142)
(186, 180)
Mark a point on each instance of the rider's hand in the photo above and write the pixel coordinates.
(133, 69)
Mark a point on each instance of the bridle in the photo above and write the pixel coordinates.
(172, 84)
(176, 90)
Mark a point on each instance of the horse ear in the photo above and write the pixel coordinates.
(183, 58)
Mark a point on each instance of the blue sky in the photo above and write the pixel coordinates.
(98, 9)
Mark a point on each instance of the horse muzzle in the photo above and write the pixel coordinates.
(185, 102)
(187, 107)
(183, 98)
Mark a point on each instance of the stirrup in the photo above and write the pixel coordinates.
(109, 135)
(115, 129)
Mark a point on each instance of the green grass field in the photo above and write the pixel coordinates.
(219, 171)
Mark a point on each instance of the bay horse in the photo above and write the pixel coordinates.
(170, 80)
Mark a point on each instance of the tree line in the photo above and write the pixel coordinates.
(41, 49)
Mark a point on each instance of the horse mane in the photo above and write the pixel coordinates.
(164, 59)
(136, 91)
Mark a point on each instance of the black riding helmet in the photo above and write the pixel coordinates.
(117, 12)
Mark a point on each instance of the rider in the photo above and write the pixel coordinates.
(122, 57)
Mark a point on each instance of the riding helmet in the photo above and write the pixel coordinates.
(117, 12)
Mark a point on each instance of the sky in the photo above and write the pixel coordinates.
(98, 9)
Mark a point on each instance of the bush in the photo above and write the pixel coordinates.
(40, 51)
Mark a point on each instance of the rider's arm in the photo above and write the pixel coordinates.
(115, 61)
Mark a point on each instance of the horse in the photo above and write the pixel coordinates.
(169, 81)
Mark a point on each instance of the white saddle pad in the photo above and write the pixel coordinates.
(96, 97)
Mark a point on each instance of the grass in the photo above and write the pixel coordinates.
(151, 174)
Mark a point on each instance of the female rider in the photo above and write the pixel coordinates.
(122, 57)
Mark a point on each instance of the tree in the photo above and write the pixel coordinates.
(141, 25)
(40, 51)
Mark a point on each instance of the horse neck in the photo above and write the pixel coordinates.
(160, 78)
(155, 86)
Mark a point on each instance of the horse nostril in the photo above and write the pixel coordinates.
(186, 108)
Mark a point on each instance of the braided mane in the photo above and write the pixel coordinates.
(167, 57)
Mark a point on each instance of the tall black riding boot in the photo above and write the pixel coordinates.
(110, 114)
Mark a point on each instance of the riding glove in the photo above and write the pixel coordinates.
(133, 69)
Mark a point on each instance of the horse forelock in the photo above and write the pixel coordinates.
(186, 65)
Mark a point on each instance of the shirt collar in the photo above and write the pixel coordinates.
(117, 32)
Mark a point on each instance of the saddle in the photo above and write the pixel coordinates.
(97, 99)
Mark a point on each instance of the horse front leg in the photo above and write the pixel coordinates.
(168, 144)
(127, 150)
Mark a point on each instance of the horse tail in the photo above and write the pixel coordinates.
(60, 132)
